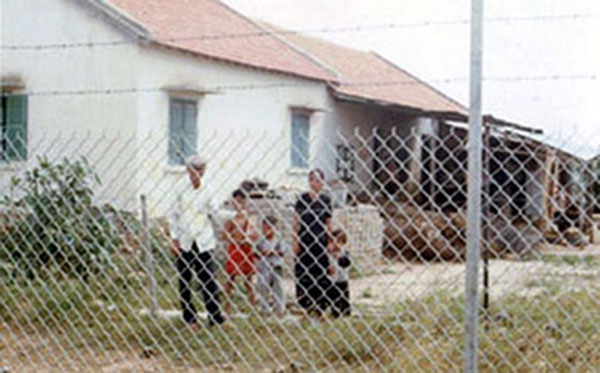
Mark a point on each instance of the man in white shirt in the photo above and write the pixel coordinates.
(194, 241)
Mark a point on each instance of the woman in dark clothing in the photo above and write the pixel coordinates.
(312, 227)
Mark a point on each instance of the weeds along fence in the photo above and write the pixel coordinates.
(89, 282)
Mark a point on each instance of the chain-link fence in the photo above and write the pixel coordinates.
(115, 256)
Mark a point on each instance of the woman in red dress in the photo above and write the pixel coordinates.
(240, 259)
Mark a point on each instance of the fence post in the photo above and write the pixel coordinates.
(474, 185)
(149, 261)
(486, 225)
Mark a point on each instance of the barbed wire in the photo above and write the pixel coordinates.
(342, 84)
(318, 30)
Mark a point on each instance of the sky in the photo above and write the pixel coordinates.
(553, 63)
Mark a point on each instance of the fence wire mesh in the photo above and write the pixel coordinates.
(116, 256)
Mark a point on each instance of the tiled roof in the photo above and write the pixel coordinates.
(369, 76)
(203, 26)
(198, 26)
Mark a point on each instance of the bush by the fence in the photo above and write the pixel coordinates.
(52, 224)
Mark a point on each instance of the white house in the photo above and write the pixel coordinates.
(137, 85)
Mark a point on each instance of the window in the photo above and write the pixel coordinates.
(182, 129)
(300, 139)
(344, 165)
(13, 128)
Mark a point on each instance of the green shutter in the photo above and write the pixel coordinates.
(175, 132)
(16, 128)
(182, 130)
(300, 140)
(189, 128)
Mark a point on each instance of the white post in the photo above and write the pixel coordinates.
(474, 192)
(149, 261)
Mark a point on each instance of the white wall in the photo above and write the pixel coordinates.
(34, 22)
(244, 133)
(358, 123)
(68, 125)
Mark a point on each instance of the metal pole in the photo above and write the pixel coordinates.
(474, 192)
(149, 261)
(486, 227)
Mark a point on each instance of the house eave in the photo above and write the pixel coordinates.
(121, 19)
(447, 115)
(489, 119)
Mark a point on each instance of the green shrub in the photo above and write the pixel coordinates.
(596, 185)
(52, 224)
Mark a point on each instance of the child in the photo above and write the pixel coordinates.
(339, 294)
(240, 260)
(270, 268)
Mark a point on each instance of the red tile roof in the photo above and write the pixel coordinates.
(369, 76)
(202, 26)
(189, 25)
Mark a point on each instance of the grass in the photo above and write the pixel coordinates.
(367, 293)
(572, 260)
(557, 331)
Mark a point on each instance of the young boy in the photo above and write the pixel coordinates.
(270, 268)
(339, 294)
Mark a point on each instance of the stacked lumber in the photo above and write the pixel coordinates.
(415, 234)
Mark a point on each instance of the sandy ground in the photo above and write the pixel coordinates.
(402, 282)
(22, 351)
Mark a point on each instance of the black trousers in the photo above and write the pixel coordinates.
(311, 292)
(312, 281)
(339, 296)
(204, 266)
